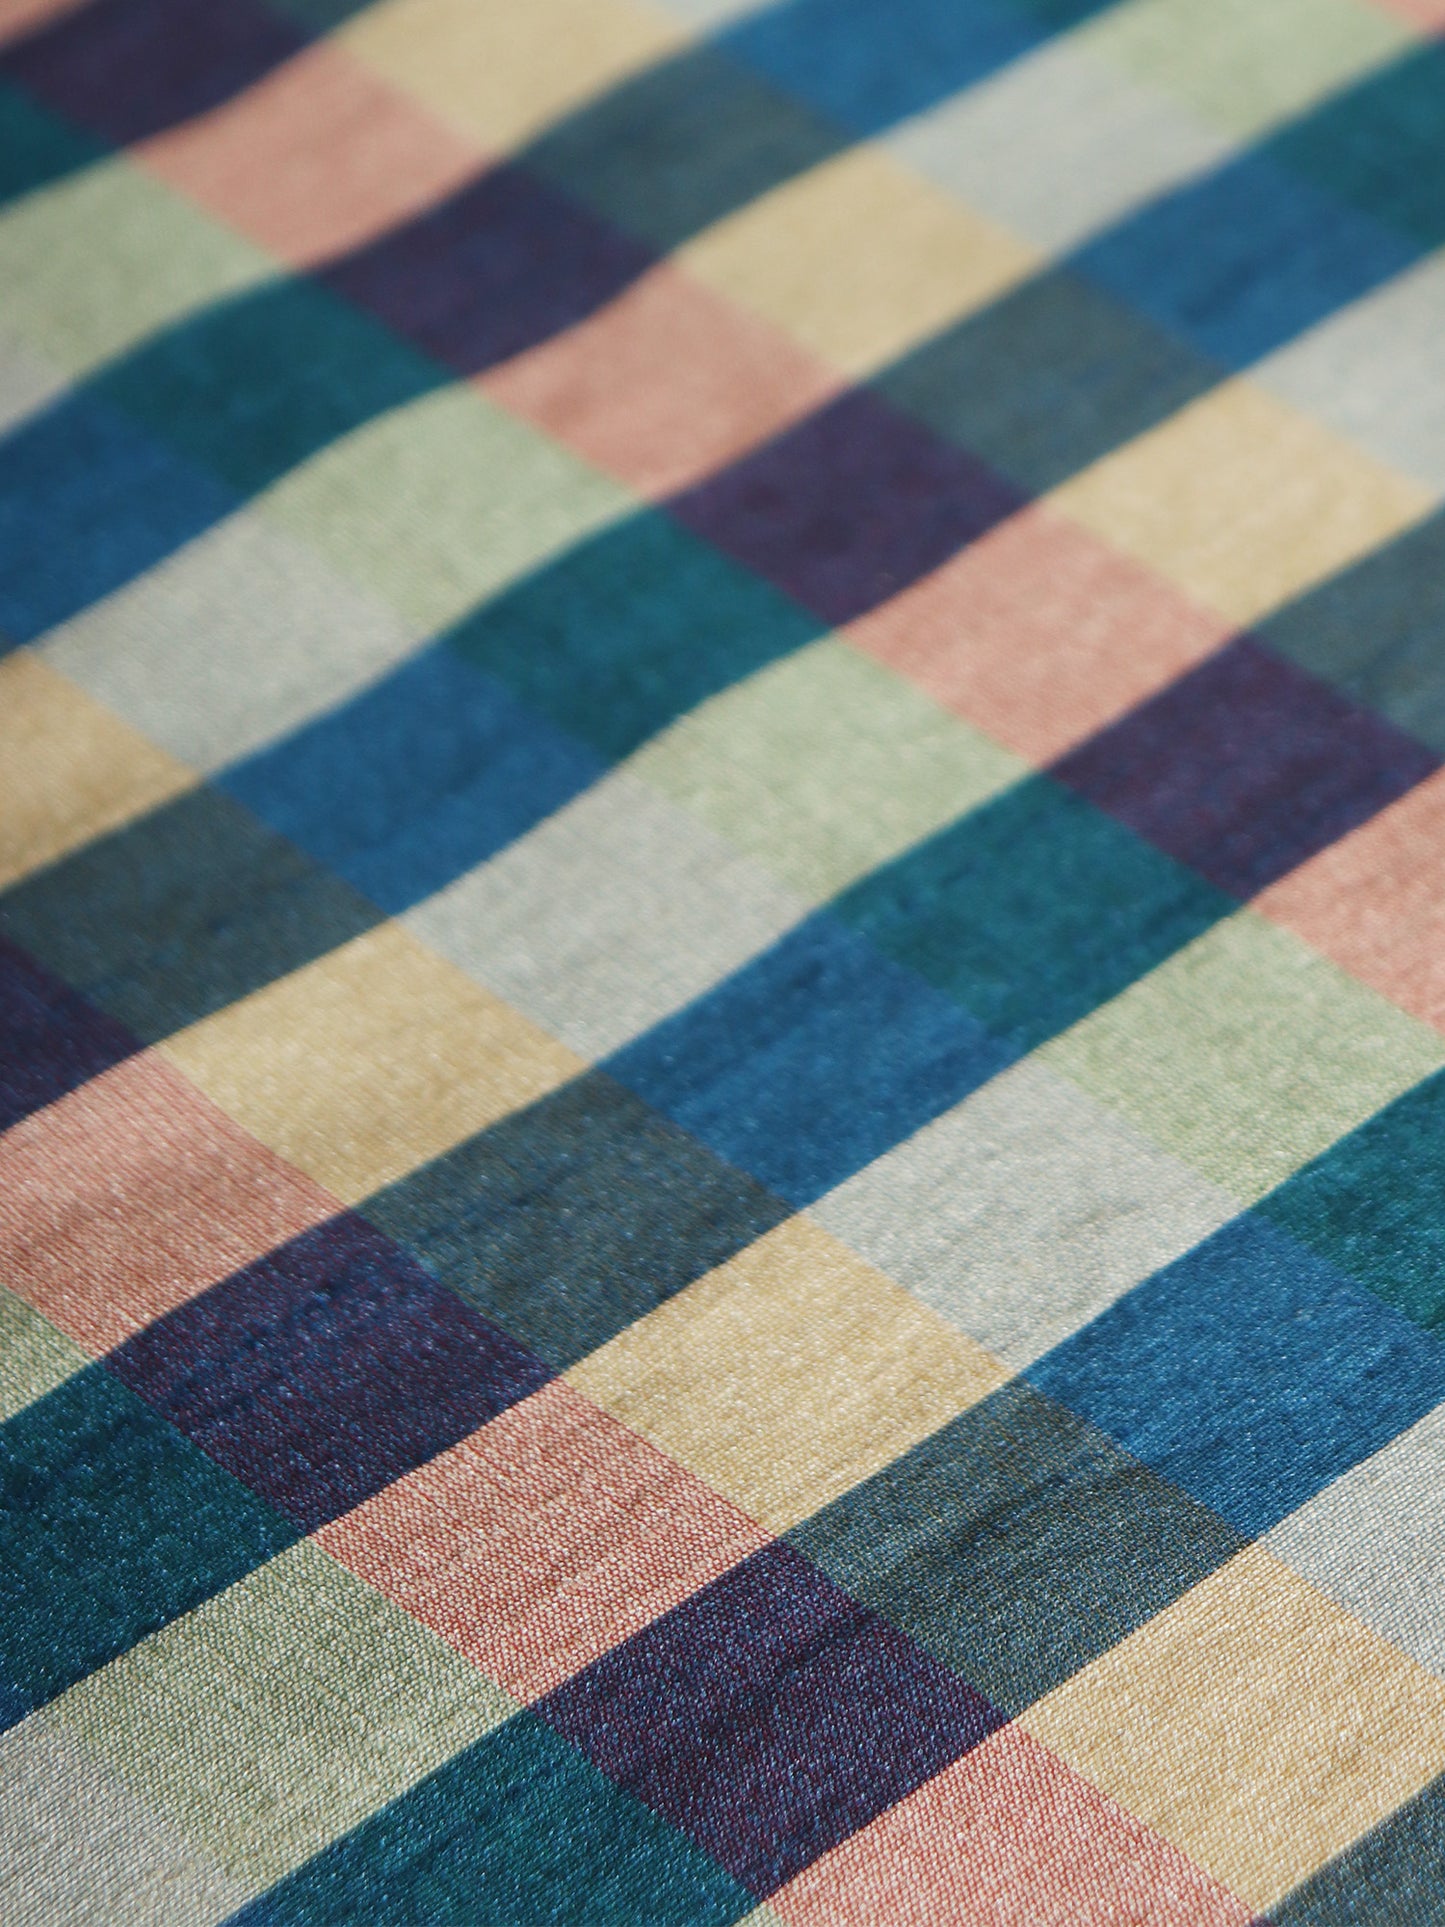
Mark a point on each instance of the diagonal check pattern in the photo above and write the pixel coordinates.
(719, 976)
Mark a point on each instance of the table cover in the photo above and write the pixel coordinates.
(722, 962)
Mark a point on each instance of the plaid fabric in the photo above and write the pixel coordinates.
(722, 962)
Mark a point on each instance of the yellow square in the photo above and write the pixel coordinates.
(69, 769)
(857, 259)
(1242, 502)
(1254, 1724)
(788, 1374)
(368, 1062)
(501, 71)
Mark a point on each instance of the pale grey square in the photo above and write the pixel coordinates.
(27, 383)
(1375, 373)
(79, 1849)
(1057, 145)
(237, 639)
(1024, 1212)
(1375, 1541)
(609, 916)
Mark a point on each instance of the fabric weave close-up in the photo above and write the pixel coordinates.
(722, 963)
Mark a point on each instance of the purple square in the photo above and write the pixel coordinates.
(325, 1370)
(126, 69)
(769, 1717)
(848, 507)
(51, 1039)
(497, 267)
(1246, 767)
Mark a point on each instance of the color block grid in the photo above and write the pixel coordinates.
(675, 1249)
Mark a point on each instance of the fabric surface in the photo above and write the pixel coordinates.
(722, 962)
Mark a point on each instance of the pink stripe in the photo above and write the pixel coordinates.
(315, 158)
(543, 1540)
(1375, 902)
(131, 1195)
(663, 385)
(1007, 1837)
(21, 17)
(1039, 634)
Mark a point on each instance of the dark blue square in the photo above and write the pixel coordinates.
(1249, 1373)
(406, 787)
(811, 1062)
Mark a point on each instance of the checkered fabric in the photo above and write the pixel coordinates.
(722, 962)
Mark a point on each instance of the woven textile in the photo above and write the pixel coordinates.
(722, 963)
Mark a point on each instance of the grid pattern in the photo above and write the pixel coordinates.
(722, 962)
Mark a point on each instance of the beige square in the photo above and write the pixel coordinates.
(788, 1375)
(858, 258)
(500, 71)
(1242, 502)
(365, 1064)
(69, 769)
(1254, 1724)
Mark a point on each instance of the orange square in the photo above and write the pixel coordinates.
(318, 156)
(131, 1195)
(1009, 1835)
(664, 384)
(1039, 634)
(543, 1540)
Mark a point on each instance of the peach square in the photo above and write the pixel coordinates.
(1039, 633)
(1007, 1837)
(543, 1540)
(20, 18)
(1429, 14)
(315, 158)
(1374, 902)
(664, 384)
(131, 1195)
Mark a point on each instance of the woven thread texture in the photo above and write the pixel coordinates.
(722, 963)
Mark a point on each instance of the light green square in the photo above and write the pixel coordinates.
(1244, 64)
(96, 262)
(34, 1356)
(824, 765)
(279, 1714)
(1247, 1054)
(439, 503)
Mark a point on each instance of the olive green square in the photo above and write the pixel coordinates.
(824, 765)
(35, 1357)
(439, 503)
(1244, 64)
(1247, 1054)
(280, 1713)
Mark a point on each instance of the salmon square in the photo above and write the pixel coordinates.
(134, 1193)
(543, 1540)
(1007, 1837)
